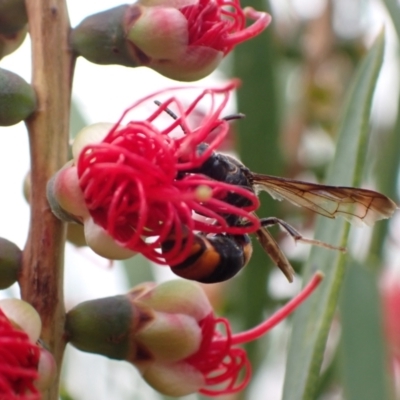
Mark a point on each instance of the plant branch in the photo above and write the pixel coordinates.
(41, 279)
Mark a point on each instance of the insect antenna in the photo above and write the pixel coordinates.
(166, 109)
(171, 114)
(230, 117)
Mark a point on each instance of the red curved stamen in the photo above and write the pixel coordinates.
(226, 366)
(262, 20)
(222, 24)
(231, 85)
(19, 360)
(281, 314)
(220, 364)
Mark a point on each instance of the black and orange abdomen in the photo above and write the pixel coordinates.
(214, 258)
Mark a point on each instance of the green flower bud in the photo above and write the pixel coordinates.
(10, 262)
(17, 98)
(103, 326)
(9, 42)
(123, 327)
(13, 16)
(100, 38)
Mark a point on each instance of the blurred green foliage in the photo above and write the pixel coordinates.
(289, 89)
(294, 79)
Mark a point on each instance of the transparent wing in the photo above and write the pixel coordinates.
(355, 205)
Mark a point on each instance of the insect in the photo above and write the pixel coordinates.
(215, 258)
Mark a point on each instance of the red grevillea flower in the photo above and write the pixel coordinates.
(19, 359)
(182, 39)
(219, 366)
(133, 185)
(171, 334)
(221, 362)
(186, 40)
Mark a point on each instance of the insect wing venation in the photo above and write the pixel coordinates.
(355, 205)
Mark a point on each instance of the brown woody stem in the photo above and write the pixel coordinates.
(41, 278)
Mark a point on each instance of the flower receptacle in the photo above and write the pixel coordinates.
(100, 38)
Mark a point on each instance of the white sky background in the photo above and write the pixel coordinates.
(102, 93)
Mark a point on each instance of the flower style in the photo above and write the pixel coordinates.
(170, 333)
(131, 181)
(19, 360)
(183, 40)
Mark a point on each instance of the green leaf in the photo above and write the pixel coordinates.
(363, 358)
(394, 10)
(312, 321)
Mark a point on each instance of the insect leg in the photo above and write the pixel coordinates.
(273, 250)
(270, 221)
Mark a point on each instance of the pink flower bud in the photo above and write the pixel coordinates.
(65, 196)
(47, 370)
(174, 296)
